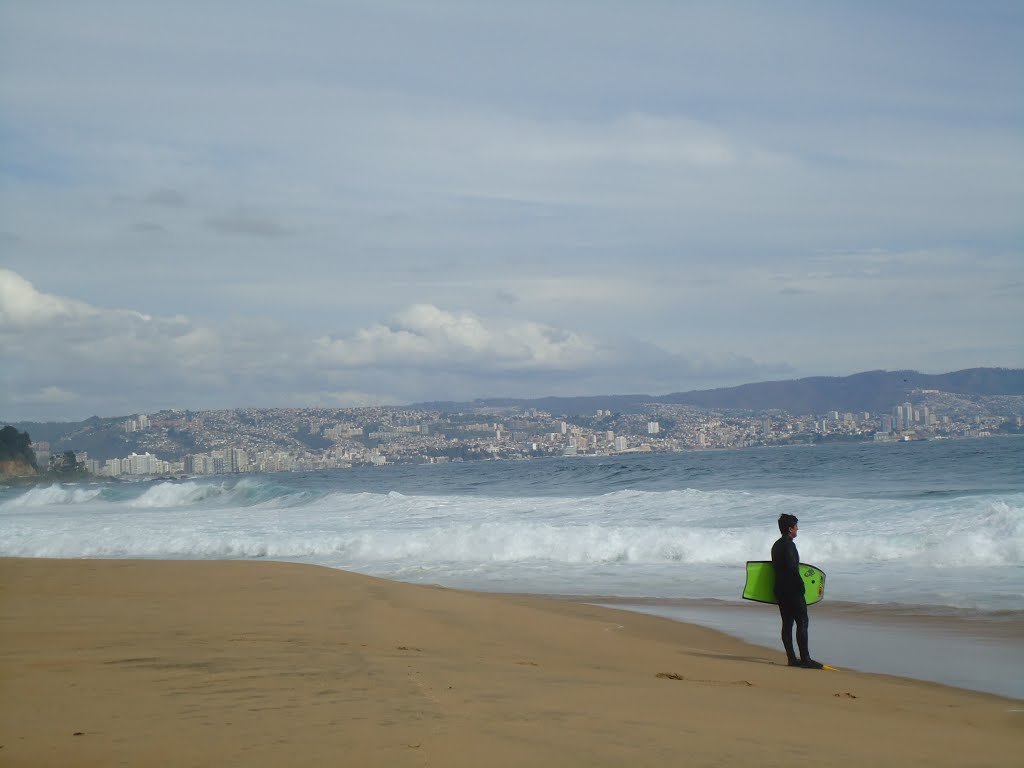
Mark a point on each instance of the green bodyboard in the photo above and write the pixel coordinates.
(760, 584)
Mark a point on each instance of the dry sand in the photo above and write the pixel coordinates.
(146, 663)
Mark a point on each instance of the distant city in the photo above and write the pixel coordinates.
(178, 443)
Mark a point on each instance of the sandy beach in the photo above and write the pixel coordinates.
(184, 663)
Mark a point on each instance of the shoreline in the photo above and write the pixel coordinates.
(129, 662)
(924, 646)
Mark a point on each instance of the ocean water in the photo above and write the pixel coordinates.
(929, 529)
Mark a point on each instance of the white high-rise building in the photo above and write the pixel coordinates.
(144, 464)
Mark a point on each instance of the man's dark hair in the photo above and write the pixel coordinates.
(786, 522)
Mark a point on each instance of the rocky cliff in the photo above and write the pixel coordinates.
(10, 468)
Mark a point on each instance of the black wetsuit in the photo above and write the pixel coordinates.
(789, 591)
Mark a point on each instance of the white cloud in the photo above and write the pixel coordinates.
(23, 307)
(424, 335)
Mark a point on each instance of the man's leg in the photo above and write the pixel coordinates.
(802, 622)
(787, 633)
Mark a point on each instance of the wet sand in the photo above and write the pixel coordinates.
(981, 653)
(107, 663)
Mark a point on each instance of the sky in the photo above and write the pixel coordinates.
(227, 203)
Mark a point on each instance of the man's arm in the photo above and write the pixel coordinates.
(786, 561)
(791, 560)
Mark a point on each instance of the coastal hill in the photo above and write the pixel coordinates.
(873, 391)
(977, 399)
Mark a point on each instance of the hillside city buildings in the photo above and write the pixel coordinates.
(282, 440)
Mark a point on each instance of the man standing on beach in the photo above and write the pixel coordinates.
(789, 591)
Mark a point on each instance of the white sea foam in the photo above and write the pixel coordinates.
(54, 495)
(166, 495)
(655, 528)
(643, 542)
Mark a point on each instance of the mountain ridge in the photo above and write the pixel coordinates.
(874, 391)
